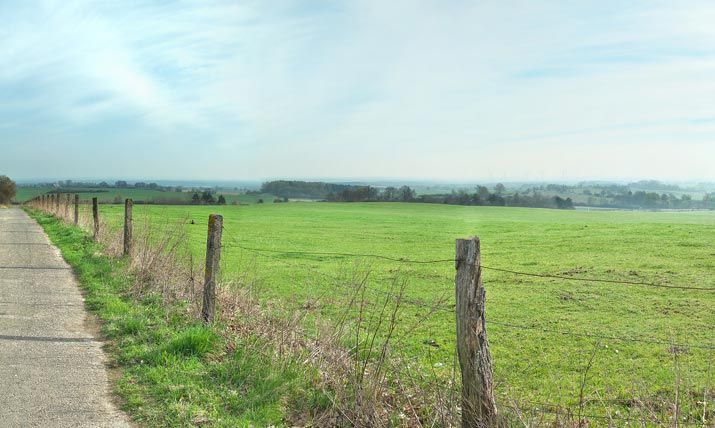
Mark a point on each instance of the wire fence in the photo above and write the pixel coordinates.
(435, 261)
(557, 410)
(450, 309)
(444, 304)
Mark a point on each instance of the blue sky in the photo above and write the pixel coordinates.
(449, 90)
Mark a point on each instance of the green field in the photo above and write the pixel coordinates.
(109, 195)
(531, 365)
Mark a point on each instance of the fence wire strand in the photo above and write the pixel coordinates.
(513, 272)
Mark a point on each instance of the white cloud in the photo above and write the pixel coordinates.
(372, 88)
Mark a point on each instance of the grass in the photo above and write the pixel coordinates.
(175, 371)
(531, 365)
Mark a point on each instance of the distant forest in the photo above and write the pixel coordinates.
(539, 196)
(354, 193)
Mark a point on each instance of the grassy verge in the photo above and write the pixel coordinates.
(175, 371)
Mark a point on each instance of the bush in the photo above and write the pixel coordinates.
(7, 190)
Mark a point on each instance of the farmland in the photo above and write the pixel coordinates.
(109, 195)
(540, 327)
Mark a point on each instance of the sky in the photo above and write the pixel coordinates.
(432, 90)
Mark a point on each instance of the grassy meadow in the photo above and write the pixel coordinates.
(531, 365)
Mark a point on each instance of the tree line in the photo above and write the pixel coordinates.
(481, 197)
(357, 193)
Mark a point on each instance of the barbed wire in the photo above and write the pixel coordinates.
(601, 336)
(513, 272)
(611, 281)
(337, 254)
(439, 307)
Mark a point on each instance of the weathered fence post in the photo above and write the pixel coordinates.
(95, 215)
(76, 209)
(213, 257)
(128, 204)
(57, 204)
(478, 406)
(67, 207)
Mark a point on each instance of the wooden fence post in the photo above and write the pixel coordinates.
(57, 204)
(128, 204)
(478, 406)
(67, 207)
(213, 257)
(95, 215)
(76, 209)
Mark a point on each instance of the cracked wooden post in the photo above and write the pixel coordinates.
(478, 406)
(76, 209)
(213, 257)
(95, 216)
(128, 204)
(67, 207)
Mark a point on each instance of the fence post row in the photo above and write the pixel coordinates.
(95, 216)
(76, 209)
(128, 204)
(478, 406)
(213, 257)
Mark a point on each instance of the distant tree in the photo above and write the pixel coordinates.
(483, 192)
(195, 198)
(121, 183)
(140, 185)
(8, 189)
(260, 201)
(406, 194)
(563, 204)
(221, 200)
(104, 184)
(207, 197)
(389, 194)
(499, 188)
(153, 186)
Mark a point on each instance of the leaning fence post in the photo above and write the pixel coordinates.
(95, 215)
(213, 257)
(478, 406)
(76, 209)
(128, 204)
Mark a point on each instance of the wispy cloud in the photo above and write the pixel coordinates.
(454, 90)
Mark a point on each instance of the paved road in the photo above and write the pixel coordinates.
(52, 371)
